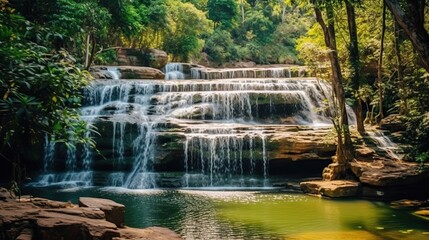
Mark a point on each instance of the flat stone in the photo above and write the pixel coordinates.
(333, 189)
(384, 172)
(115, 212)
(152, 233)
(26, 234)
(31, 218)
(53, 225)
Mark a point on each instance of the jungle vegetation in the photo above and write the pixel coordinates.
(375, 52)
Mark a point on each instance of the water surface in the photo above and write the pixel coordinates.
(209, 214)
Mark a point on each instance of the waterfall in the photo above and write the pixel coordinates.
(174, 71)
(212, 133)
(223, 157)
(384, 143)
(114, 72)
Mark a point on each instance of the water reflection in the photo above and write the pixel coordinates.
(206, 214)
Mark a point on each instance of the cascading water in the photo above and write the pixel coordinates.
(174, 71)
(203, 133)
(384, 143)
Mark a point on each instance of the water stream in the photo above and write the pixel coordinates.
(188, 133)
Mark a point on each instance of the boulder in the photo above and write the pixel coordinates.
(37, 218)
(137, 57)
(333, 189)
(115, 212)
(133, 72)
(157, 58)
(384, 172)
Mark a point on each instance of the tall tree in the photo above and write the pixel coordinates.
(344, 152)
(380, 68)
(410, 16)
(355, 64)
(222, 12)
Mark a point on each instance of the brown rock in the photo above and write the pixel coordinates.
(386, 172)
(26, 234)
(153, 233)
(5, 194)
(52, 225)
(137, 57)
(115, 212)
(157, 58)
(334, 189)
(393, 123)
(132, 72)
(37, 218)
(303, 144)
(364, 152)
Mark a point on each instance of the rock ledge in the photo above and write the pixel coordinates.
(38, 218)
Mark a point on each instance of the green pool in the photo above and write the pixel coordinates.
(220, 214)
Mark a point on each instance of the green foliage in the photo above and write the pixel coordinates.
(220, 47)
(222, 12)
(188, 27)
(40, 89)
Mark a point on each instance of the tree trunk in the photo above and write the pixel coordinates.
(355, 65)
(412, 22)
(242, 11)
(88, 36)
(380, 67)
(403, 107)
(344, 152)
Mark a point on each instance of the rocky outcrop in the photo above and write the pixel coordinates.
(126, 72)
(137, 57)
(37, 218)
(393, 123)
(300, 143)
(333, 189)
(113, 211)
(133, 72)
(383, 172)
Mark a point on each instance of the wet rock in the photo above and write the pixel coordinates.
(333, 189)
(115, 212)
(384, 172)
(133, 72)
(155, 233)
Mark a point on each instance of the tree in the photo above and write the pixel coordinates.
(410, 15)
(186, 34)
(40, 89)
(222, 12)
(344, 152)
(355, 64)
